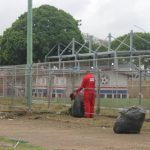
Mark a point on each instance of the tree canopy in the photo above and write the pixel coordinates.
(141, 41)
(50, 26)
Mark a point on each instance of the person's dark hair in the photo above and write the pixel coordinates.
(87, 71)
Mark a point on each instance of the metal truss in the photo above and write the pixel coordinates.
(77, 51)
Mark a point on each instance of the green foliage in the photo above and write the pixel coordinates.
(138, 43)
(50, 26)
(117, 42)
(0, 44)
(0, 39)
(99, 48)
(11, 144)
(141, 41)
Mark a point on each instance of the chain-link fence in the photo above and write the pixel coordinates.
(120, 82)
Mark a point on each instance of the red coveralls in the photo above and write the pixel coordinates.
(88, 84)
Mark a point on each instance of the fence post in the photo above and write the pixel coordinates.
(49, 87)
(98, 92)
(29, 55)
(140, 90)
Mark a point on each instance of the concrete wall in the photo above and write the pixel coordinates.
(134, 89)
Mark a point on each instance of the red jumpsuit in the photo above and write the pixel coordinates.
(88, 84)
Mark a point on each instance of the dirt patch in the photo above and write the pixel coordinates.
(63, 132)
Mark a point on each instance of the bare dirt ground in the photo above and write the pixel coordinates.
(67, 133)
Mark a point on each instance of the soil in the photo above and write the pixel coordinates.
(62, 132)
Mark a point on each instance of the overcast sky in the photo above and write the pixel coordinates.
(99, 17)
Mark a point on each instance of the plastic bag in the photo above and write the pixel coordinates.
(77, 108)
(130, 120)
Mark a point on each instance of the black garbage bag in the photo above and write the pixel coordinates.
(130, 120)
(77, 108)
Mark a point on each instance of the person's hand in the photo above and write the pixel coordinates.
(78, 90)
(73, 95)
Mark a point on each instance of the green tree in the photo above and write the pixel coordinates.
(50, 26)
(0, 47)
(141, 41)
(0, 39)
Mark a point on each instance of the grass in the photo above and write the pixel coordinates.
(11, 144)
(61, 105)
(111, 103)
(122, 103)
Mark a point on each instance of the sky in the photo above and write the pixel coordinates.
(99, 17)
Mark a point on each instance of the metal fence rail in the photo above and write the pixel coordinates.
(116, 81)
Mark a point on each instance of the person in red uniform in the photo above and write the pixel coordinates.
(88, 86)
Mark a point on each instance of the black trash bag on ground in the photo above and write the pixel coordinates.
(77, 108)
(130, 120)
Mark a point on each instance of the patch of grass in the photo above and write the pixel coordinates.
(43, 103)
(122, 103)
(53, 108)
(11, 144)
(109, 112)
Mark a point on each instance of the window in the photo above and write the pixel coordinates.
(102, 95)
(117, 96)
(124, 96)
(109, 95)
